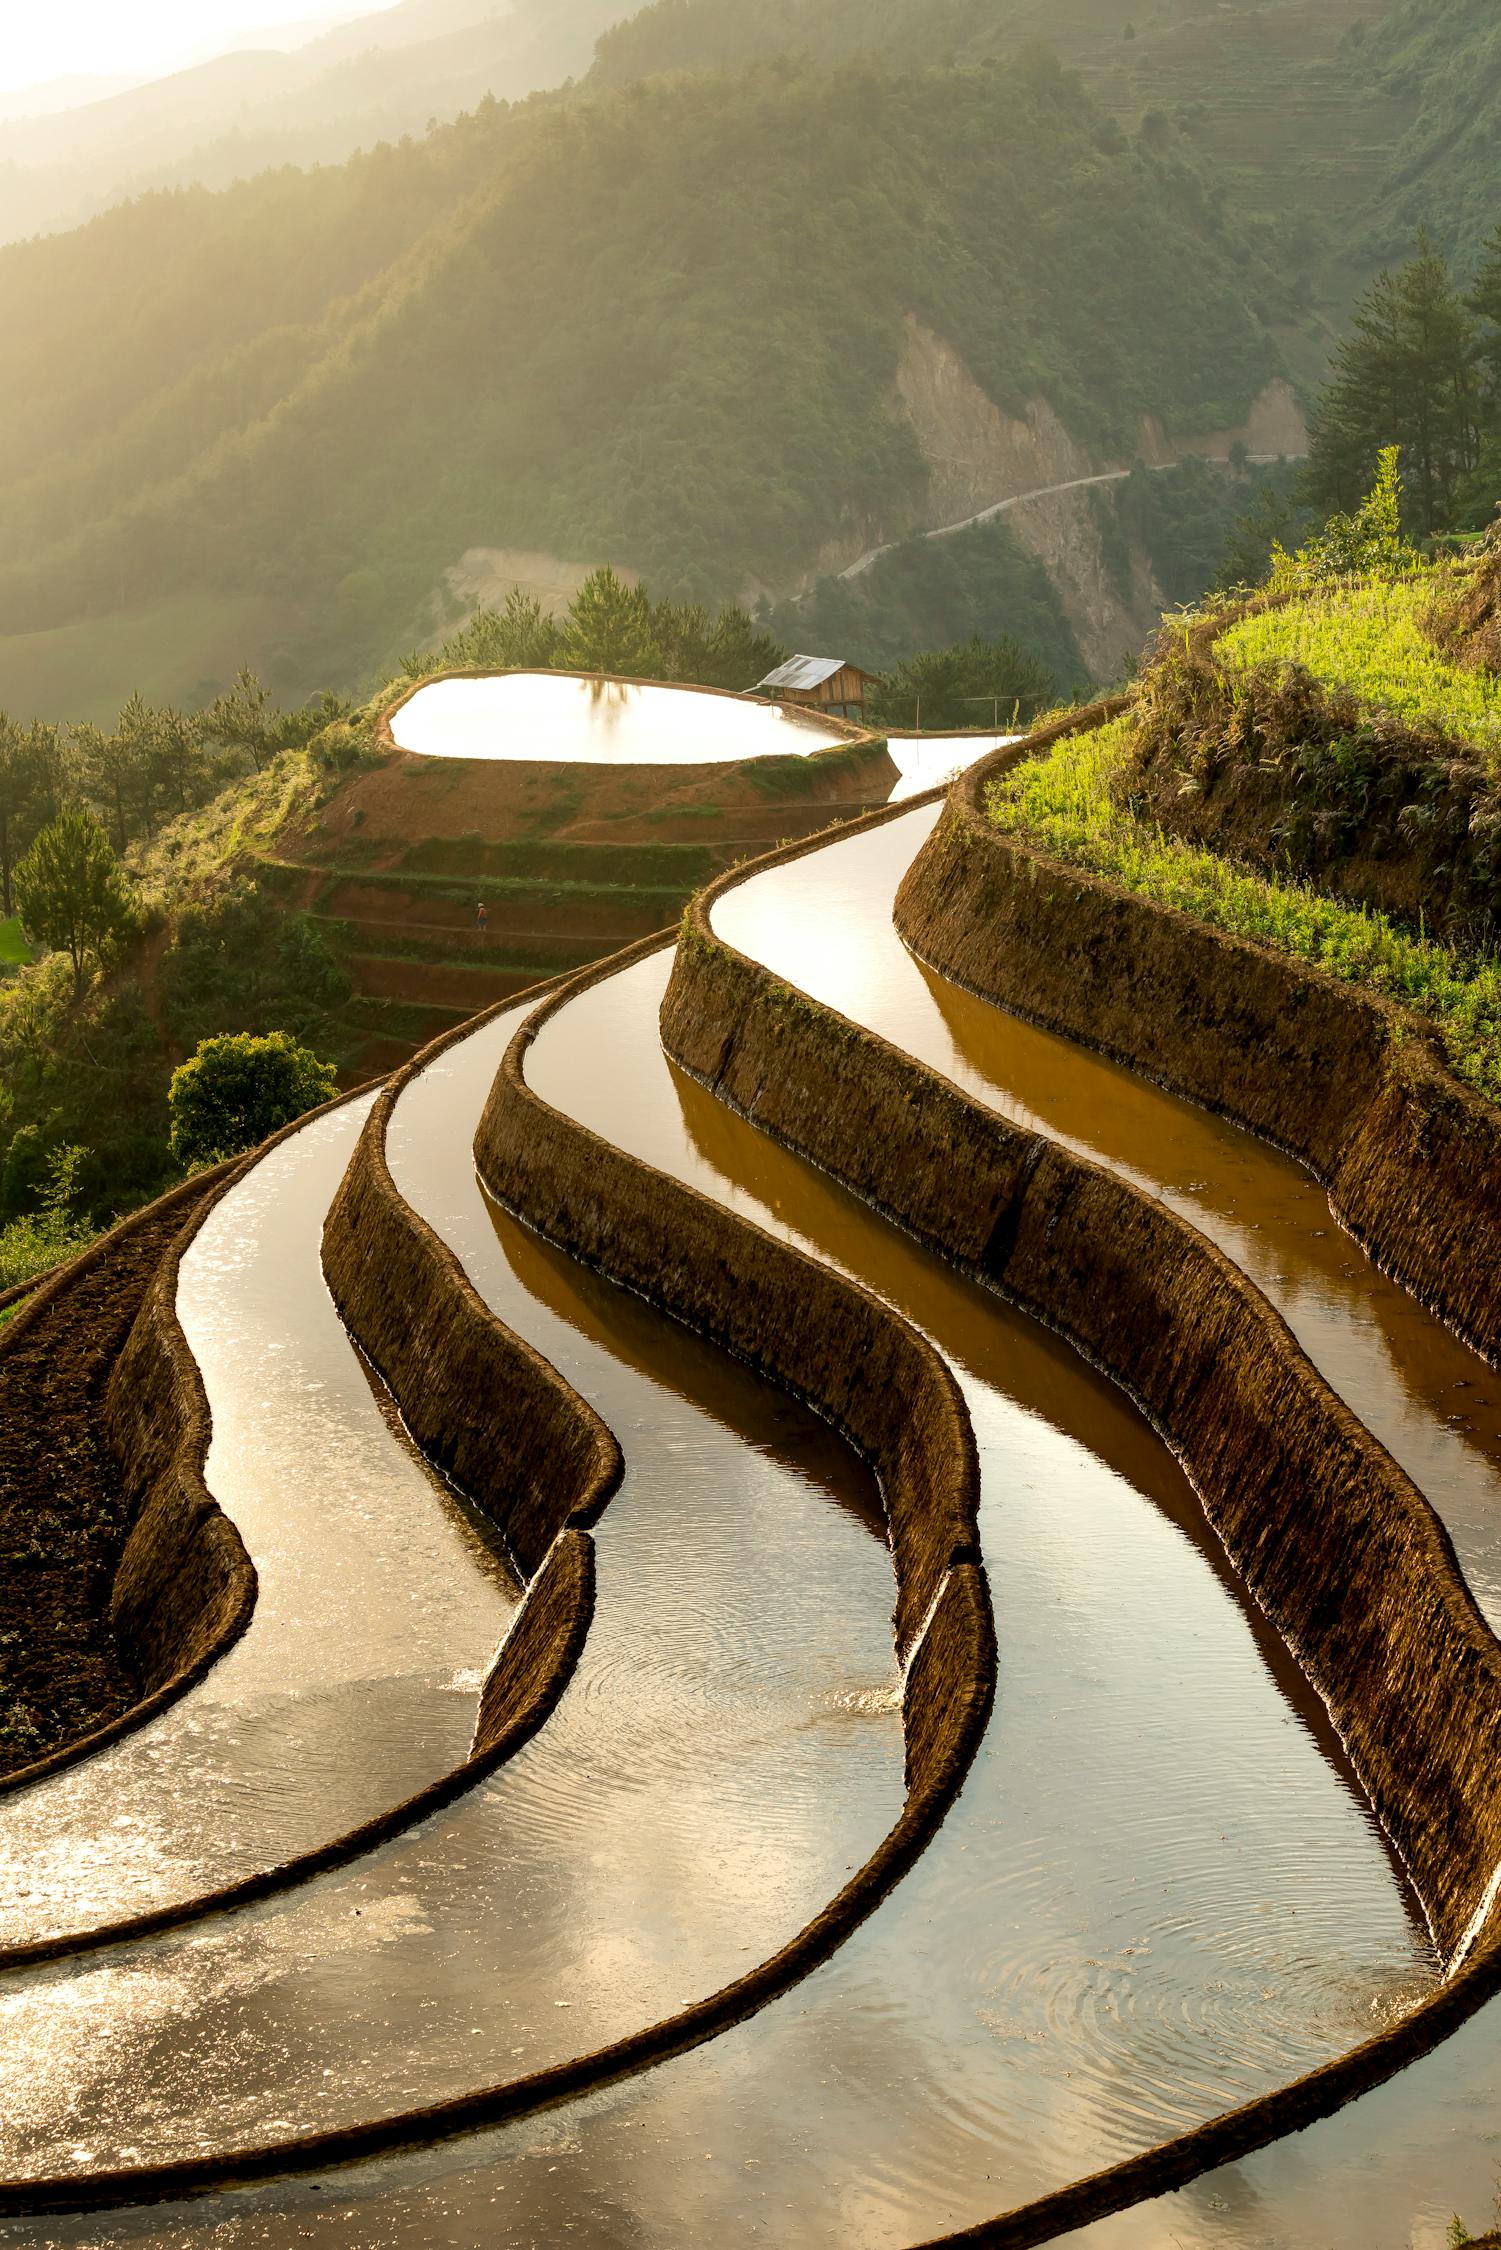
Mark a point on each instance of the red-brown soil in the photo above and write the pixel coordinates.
(571, 863)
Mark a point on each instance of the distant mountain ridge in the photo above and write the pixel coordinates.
(661, 326)
(380, 77)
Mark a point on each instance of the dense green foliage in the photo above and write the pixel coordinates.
(50, 1232)
(592, 328)
(1190, 521)
(150, 767)
(610, 626)
(1069, 802)
(236, 1091)
(993, 684)
(1420, 368)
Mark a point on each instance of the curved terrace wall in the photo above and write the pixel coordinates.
(1350, 1083)
(182, 1587)
(812, 1331)
(539, 1460)
(868, 1371)
(1338, 1545)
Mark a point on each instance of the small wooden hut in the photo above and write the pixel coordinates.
(820, 683)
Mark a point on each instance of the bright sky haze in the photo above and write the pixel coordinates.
(76, 38)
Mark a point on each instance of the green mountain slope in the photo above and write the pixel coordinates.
(1343, 125)
(1439, 61)
(659, 326)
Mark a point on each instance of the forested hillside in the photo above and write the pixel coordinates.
(658, 326)
(1342, 125)
(1443, 62)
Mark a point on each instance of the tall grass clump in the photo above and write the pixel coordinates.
(1069, 803)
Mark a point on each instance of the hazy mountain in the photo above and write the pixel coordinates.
(378, 77)
(723, 330)
(58, 94)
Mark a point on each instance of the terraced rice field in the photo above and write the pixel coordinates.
(1159, 1891)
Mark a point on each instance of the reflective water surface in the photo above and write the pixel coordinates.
(730, 1745)
(378, 1612)
(825, 922)
(1159, 1893)
(555, 715)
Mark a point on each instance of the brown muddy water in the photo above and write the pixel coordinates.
(1158, 1894)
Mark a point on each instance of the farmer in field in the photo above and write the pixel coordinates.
(482, 920)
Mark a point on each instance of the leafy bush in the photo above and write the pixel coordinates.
(1367, 544)
(237, 1090)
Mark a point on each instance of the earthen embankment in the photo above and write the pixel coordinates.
(1341, 1549)
(92, 1662)
(807, 1328)
(488, 1409)
(1331, 1072)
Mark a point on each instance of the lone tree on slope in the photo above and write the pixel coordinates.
(71, 894)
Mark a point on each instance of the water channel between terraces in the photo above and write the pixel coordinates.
(1158, 1894)
(378, 1611)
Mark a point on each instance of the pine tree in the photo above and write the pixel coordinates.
(1485, 303)
(71, 893)
(609, 628)
(1406, 376)
(30, 778)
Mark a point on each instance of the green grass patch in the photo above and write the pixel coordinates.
(1371, 640)
(30, 1245)
(14, 951)
(1065, 802)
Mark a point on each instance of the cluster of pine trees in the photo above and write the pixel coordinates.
(1420, 368)
(152, 764)
(612, 625)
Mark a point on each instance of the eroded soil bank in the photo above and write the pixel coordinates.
(64, 1506)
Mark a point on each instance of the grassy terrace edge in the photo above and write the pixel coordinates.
(1374, 639)
(1061, 802)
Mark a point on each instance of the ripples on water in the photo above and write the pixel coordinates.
(372, 1588)
(1157, 1894)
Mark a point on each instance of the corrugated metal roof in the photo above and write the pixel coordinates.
(803, 672)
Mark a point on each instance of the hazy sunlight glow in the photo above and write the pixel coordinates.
(73, 38)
